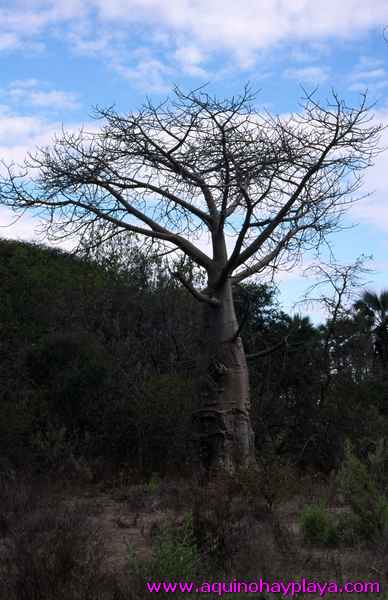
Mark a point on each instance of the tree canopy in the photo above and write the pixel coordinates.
(198, 166)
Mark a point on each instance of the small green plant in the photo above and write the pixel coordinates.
(317, 527)
(153, 484)
(175, 555)
(332, 538)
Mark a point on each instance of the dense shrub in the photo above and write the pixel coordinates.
(317, 526)
(175, 558)
(50, 552)
(360, 489)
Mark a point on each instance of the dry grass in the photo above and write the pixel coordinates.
(74, 542)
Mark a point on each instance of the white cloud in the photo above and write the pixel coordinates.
(241, 29)
(54, 99)
(148, 72)
(27, 91)
(22, 22)
(189, 59)
(25, 227)
(308, 74)
(310, 52)
(15, 227)
(90, 46)
(370, 62)
(14, 129)
(253, 24)
(24, 83)
(8, 41)
(373, 210)
(20, 135)
(371, 74)
(368, 73)
(372, 87)
(19, 21)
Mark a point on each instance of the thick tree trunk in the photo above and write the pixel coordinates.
(222, 426)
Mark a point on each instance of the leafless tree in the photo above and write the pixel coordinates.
(262, 188)
(335, 289)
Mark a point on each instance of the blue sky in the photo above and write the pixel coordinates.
(59, 59)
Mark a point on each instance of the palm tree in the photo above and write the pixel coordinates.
(374, 309)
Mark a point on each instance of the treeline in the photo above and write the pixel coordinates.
(97, 367)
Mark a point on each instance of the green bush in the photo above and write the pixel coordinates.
(175, 556)
(153, 484)
(361, 492)
(348, 529)
(378, 462)
(317, 527)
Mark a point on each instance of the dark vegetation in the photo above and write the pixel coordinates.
(96, 393)
(196, 165)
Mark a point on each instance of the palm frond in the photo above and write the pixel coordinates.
(371, 300)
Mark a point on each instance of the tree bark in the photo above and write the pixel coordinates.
(222, 425)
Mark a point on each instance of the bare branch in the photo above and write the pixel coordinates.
(194, 292)
(199, 165)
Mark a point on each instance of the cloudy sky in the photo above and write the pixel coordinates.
(60, 58)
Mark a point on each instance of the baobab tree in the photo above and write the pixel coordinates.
(197, 171)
